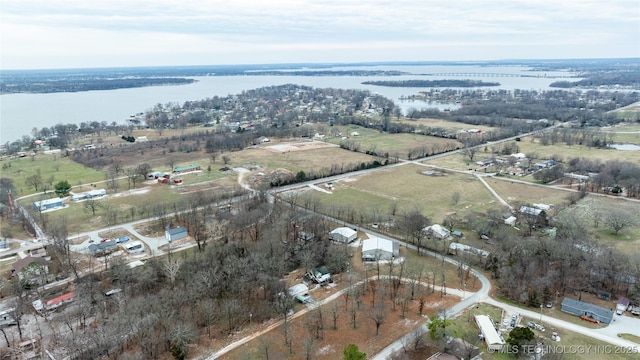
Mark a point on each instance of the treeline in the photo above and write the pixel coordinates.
(623, 78)
(432, 83)
(335, 169)
(76, 85)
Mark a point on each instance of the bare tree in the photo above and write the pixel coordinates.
(618, 219)
(455, 198)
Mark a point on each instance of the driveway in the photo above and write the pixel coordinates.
(621, 325)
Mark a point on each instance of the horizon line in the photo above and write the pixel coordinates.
(325, 64)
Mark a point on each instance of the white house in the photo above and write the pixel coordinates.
(437, 231)
(456, 248)
(343, 234)
(379, 249)
(489, 334)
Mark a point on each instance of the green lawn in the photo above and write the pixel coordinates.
(50, 166)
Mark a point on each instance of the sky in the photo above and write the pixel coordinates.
(45, 34)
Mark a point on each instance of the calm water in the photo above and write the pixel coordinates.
(19, 113)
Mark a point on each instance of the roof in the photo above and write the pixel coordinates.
(97, 192)
(22, 263)
(298, 289)
(489, 332)
(530, 210)
(103, 246)
(185, 168)
(438, 230)
(177, 230)
(344, 231)
(54, 200)
(623, 301)
(579, 307)
(60, 299)
(377, 243)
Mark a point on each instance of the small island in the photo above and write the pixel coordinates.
(431, 83)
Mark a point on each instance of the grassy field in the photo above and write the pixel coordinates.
(409, 189)
(627, 241)
(53, 167)
(381, 143)
(566, 152)
(439, 123)
(514, 192)
(323, 156)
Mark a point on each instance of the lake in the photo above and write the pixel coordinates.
(19, 113)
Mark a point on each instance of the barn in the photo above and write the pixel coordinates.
(176, 233)
(374, 249)
(343, 235)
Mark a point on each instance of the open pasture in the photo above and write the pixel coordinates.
(393, 144)
(409, 189)
(444, 124)
(275, 156)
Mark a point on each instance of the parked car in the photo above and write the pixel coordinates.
(122, 239)
(531, 324)
(549, 304)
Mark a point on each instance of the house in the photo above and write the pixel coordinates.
(343, 234)
(54, 303)
(622, 305)
(48, 204)
(530, 211)
(134, 247)
(98, 193)
(186, 169)
(319, 275)
(590, 311)
(457, 248)
(489, 334)
(437, 231)
(31, 270)
(176, 233)
(545, 164)
(103, 248)
(374, 249)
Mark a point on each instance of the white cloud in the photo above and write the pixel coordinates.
(80, 33)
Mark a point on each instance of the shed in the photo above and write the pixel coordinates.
(176, 233)
(134, 247)
(490, 335)
(377, 249)
(581, 308)
(511, 220)
(437, 231)
(343, 234)
(306, 236)
(48, 204)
